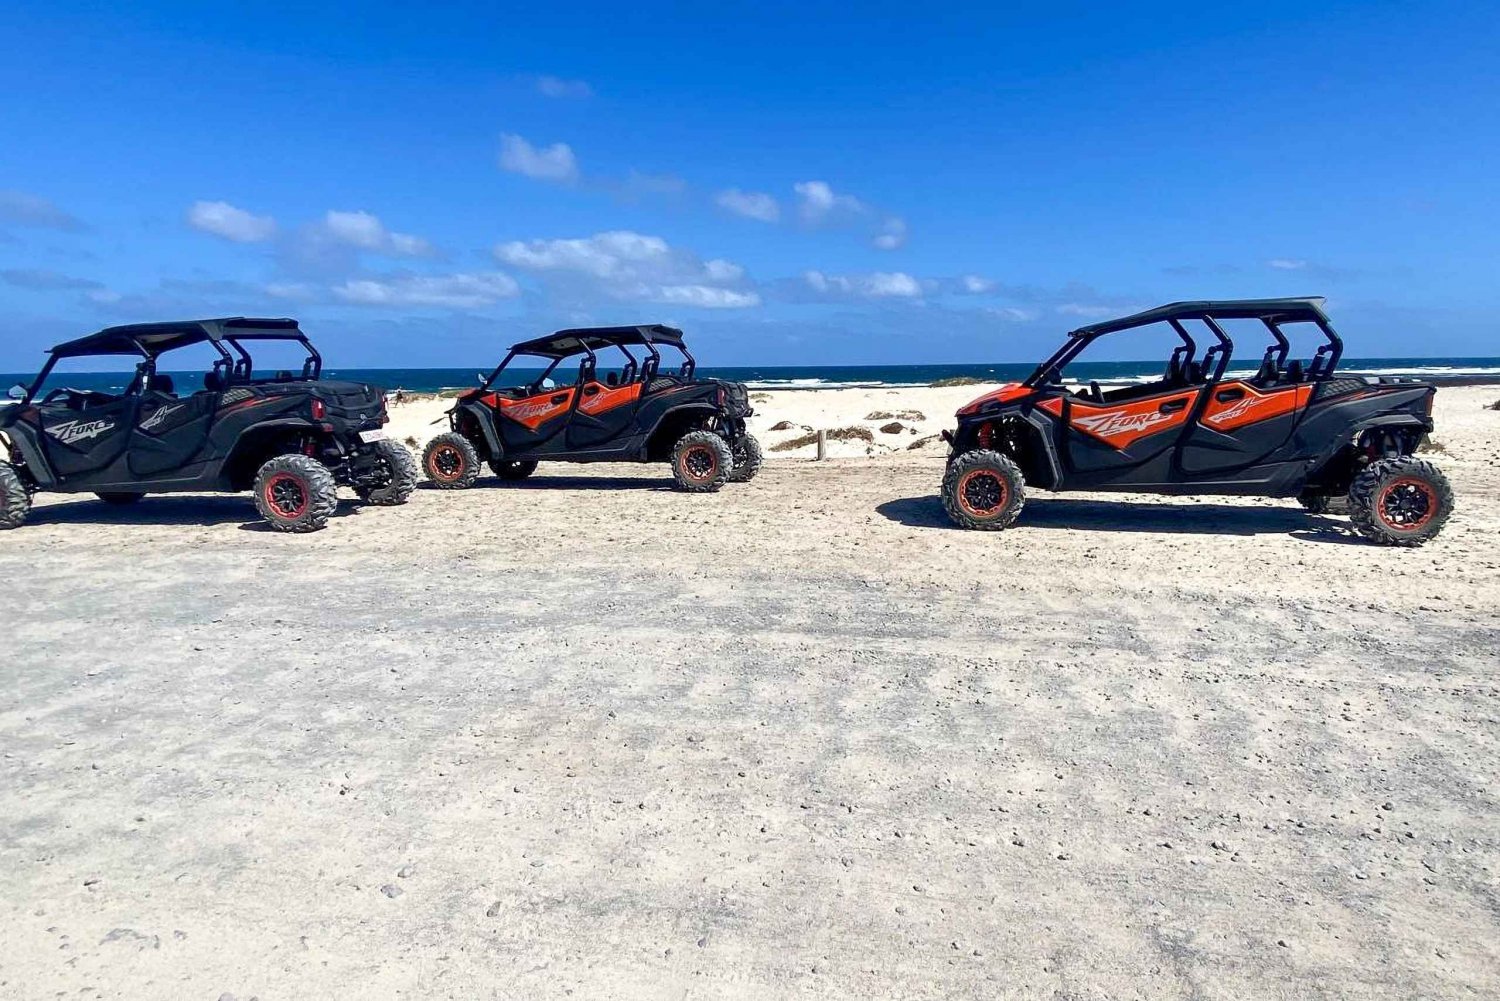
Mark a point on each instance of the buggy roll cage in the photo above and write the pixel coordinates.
(150, 341)
(567, 344)
(1272, 313)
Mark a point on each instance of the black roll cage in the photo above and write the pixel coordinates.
(647, 370)
(124, 340)
(1272, 313)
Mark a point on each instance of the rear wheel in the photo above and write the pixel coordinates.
(511, 469)
(15, 499)
(401, 476)
(747, 458)
(295, 493)
(701, 462)
(119, 498)
(451, 462)
(984, 490)
(1400, 501)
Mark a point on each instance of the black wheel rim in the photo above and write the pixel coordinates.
(447, 462)
(982, 492)
(1406, 505)
(287, 495)
(700, 462)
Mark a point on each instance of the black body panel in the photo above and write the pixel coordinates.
(151, 440)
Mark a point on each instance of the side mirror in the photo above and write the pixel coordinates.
(548, 384)
(17, 392)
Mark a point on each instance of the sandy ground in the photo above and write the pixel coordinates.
(588, 737)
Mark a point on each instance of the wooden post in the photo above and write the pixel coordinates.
(822, 445)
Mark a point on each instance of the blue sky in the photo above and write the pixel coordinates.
(801, 183)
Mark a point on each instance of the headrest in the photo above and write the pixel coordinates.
(213, 381)
(162, 383)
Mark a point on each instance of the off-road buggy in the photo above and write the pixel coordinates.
(626, 410)
(1292, 429)
(292, 438)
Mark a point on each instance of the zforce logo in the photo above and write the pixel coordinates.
(79, 430)
(1108, 425)
(1238, 410)
(152, 422)
(527, 411)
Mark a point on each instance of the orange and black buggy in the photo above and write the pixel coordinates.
(598, 394)
(1288, 428)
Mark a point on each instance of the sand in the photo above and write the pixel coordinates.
(585, 736)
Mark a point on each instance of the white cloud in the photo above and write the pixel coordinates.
(892, 235)
(818, 203)
(976, 285)
(705, 296)
(633, 266)
(366, 232)
(224, 220)
(24, 209)
(1010, 313)
(462, 291)
(750, 204)
(1086, 311)
(876, 285)
(553, 163)
(1284, 264)
(553, 86)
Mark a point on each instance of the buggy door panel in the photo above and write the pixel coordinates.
(1242, 425)
(535, 423)
(170, 432)
(1131, 440)
(87, 440)
(603, 413)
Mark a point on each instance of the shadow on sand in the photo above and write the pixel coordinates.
(537, 482)
(196, 509)
(1108, 516)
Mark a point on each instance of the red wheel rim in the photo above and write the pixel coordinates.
(446, 463)
(982, 493)
(700, 463)
(1406, 504)
(287, 495)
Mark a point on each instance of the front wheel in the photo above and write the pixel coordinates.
(1400, 501)
(400, 476)
(984, 490)
(295, 493)
(512, 469)
(701, 462)
(119, 499)
(15, 499)
(747, 458)
(451, 462)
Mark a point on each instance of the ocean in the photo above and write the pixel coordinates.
(830, 376)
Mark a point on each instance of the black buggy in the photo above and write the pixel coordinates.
(291, 438)
(612, 407)
(1293, 428)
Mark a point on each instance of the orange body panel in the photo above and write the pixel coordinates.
(1121, 424)
(534, 411)
(1006, 393)
(1254, 406)
(608, 398)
